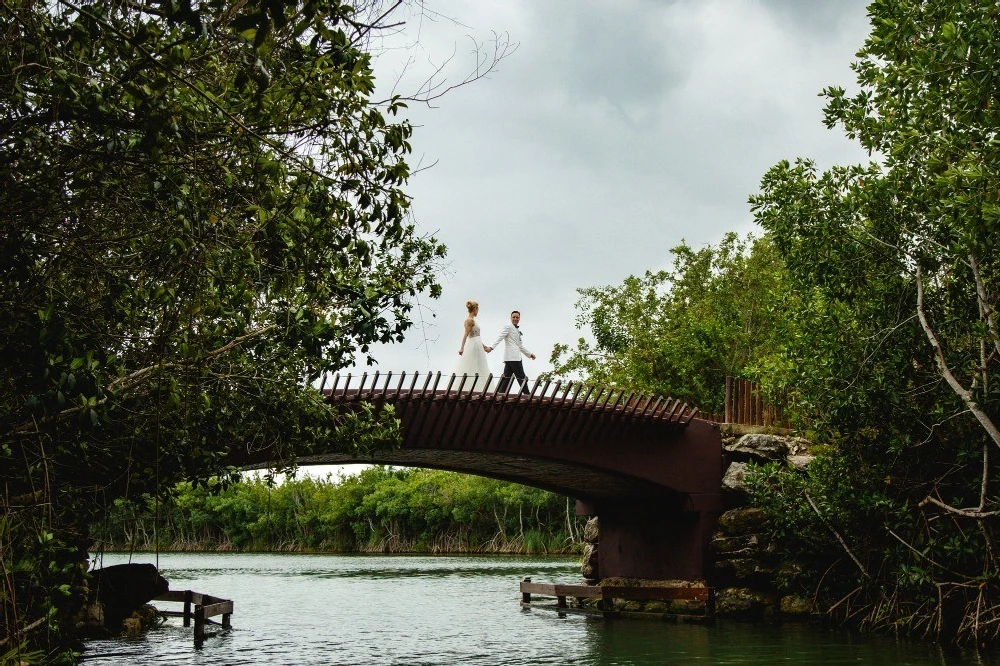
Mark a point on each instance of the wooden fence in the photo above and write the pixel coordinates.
(701, 595)
(745, 405)
(205, 608)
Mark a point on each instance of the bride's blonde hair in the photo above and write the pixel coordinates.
(471, 305)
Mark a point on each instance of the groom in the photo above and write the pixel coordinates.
(512, 350)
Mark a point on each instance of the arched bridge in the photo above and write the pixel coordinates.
(645, 465)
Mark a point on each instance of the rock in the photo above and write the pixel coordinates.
(90, 620)
(735, 546)
(800, 463)
(746, 520)
(734, 480)
(798, 445)
(123, 589)
(759, 448)
(589, 569)
(745, 570)
(796, 606)
(743, 603)
(592, 530)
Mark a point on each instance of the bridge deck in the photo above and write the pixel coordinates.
(568, 437)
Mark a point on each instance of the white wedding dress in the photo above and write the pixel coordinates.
(471, 362)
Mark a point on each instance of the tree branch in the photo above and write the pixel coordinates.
(945, 371)
(986, 312)
(129, 381)
(965, 513)
(837, 535)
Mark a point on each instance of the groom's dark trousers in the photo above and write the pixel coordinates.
(516, 369)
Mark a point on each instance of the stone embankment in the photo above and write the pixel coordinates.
(745, 566)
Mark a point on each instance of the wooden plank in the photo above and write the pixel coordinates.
(655, 593)
(729, 400)
(576, 426)
(221, 607)
(568, 415)
(463, 434)
(446, 427)
(616, 592)
(171, 595)
(607, 413)
(529, 409)
(551, 409)
(559, 590)
(534, 411)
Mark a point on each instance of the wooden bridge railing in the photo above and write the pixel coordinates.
(556, 394)
(745, 405)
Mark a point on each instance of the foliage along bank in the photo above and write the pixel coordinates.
(886, 341)
(202, 210)
(380, 510)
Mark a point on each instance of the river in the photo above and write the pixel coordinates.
(440, 610)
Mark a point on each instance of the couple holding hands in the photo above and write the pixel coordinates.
(473, 359)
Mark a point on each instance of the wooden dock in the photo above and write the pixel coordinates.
(607, 594)
(202, 607)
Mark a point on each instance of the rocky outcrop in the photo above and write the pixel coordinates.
(591, 536)
(745, 563)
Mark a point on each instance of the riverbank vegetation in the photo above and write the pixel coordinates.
(379, 510)
(875, 317)
(203, 210)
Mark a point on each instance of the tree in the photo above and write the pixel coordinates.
(901, 254)
(718, 312)
(202, 212)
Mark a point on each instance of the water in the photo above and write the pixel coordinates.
(415, 610)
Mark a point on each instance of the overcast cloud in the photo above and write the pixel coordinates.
(615, 131)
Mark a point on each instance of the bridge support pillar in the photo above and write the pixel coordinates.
(665, 540)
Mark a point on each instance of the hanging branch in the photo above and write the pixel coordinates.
(131, 380)
(945, 371)
(837, 535)
(986, 313)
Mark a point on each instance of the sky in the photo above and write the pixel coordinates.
(613, 132)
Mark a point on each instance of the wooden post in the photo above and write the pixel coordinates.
(225, 620)
(729, 400)
(526, 596)
(187, 608)
(199, 623)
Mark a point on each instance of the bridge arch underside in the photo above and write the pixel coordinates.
(558, 476)
(654, 484)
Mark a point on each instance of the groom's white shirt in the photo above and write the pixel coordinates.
(513, 347)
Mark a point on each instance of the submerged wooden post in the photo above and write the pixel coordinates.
(187, 608)
(199, 623)
(526, 596)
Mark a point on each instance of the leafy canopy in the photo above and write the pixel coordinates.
(680, 332)
(899, 350)
(202, 210)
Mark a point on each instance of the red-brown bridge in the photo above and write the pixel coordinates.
(645, 465)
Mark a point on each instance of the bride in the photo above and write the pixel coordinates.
(472, 358)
